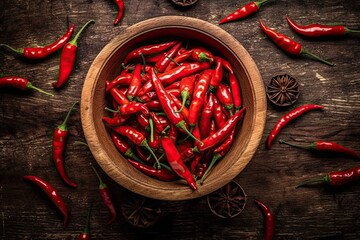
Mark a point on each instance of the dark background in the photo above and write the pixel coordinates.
(27, 120)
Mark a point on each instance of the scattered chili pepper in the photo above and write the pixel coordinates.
(269, 220)
(106, 196)
(176, 163)
(284, 120)
(121, 7)
(52, 193)
(223, 94)
(67, 59)
(320, 30)
(85, 234)
(59, 141)
(123, 146)
(327, 146)
(289, 45)
(243, 12)
(335, 178)
(166, 59)
(186, 89)
(217, 76)
(45, 51)
(162, 174)
(135, 83)
(20, 83)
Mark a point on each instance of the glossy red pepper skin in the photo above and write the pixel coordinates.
(185, 111)
(135, 83)
(52, 193)
(176, 162)
(319, 30)
(224, 95)
(243, 12)
(284, 120)
(162, 174)
(121, 8)
(58, 143)
(67, 59)
(269, 220)
(235, 91)
(154, 105)
(35, 53)
(122, 79)
(217, 76)
(161, 65)
(19, 83)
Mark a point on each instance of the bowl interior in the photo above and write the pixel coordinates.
(107, 66)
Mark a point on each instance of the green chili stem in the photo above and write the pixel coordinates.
(151, 129)
(259, 3)
(314, 181)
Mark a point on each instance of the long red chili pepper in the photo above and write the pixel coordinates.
(185, 111)
(176, 163)
(43, 52)
(325, 146)
(269, 220)
(106, 196)
(85, 234)
(59, 141)
(123, 146)
(121, 7)
(20, 83)
(166, 59)
(187, 88)
(52, 193)
(289, 45)
(223, 94)
(284, 120)
(335, 178)
(67, 59)
(162, 174)
(320, 30)
(217, 76)
(235, 91)
(243, 12)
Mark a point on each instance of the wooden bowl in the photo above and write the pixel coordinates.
(106, 66)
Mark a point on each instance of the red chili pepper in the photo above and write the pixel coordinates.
(269, 220)
(59, 141)
(121, 7)
(219, 117)
(43, 52)
(162, 174)
(325, 146)
(187, 88)
(106, 196)
(135, 83)
(52, 193)
(223, 94)
(144, 156)
(201, 54)
(235, 91)
(289, 45)
(147, 50)
(206, 115)
(178, 59)
(335, 178)
(123, 79)
(67, 59)
(154, 138)
(284, 120)
(217, 76)
(123, 146)
(166, 59)
(319, 30)
(20, 83)
(176, 163)
(197, 100)
(85, 235)
(243, 12)
(133, 107)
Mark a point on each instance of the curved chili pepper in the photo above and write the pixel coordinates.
(173, 86)
(269, 220)
(161, 65)
(52, 193)
(319, 30)
(45, 51)
(85, 235)
(121, 7)
(59, 141)
(123, 146)
(133, 107)
(201, 54)
(20, 83)
(284, 120)
(206, 115)
(106, 196)
(123, 79)
(235, 91)
(243, 12)
(194, 163)
(187, 88)
(176, 162)
(321, 146)
(223, 94)
(135, 83)
(162, 174)
(178, 59)
(198, 97)
(67, 59)
(335, 178)
(289, 45)
(217, 76)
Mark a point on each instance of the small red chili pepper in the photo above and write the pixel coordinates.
(162, 174)
(143, 119)
(20, 83)
(106, 196)
(217, 76)
(121, 7)
(187, 88)
(161, 65)
(133, 107)
(85, 235)
(59, 141)
(67, 59)
(144, 156)
(325, 146)
(123, 146)
(154, 137)
(289, 45)
(135, 83)
(235, 91)
(176, 162)
(52, 193)
(284, 120)
(319, 30)
(43, 52)
(195, 162)
(206, 115)
(123, 79)
(243, 12)
(201, 54)
(223, 94)
(269, 220)
(335, 178)
(179, 59)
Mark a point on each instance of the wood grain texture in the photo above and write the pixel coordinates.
(27, 120)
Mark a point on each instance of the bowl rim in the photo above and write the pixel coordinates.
(183, 192)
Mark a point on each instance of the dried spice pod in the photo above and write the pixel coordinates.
(140, 211)
(283, 90)
(184, 3)
(228, 201)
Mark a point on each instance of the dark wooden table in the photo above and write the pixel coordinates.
(27, 120)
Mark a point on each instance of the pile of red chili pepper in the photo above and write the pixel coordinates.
(174, 110)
